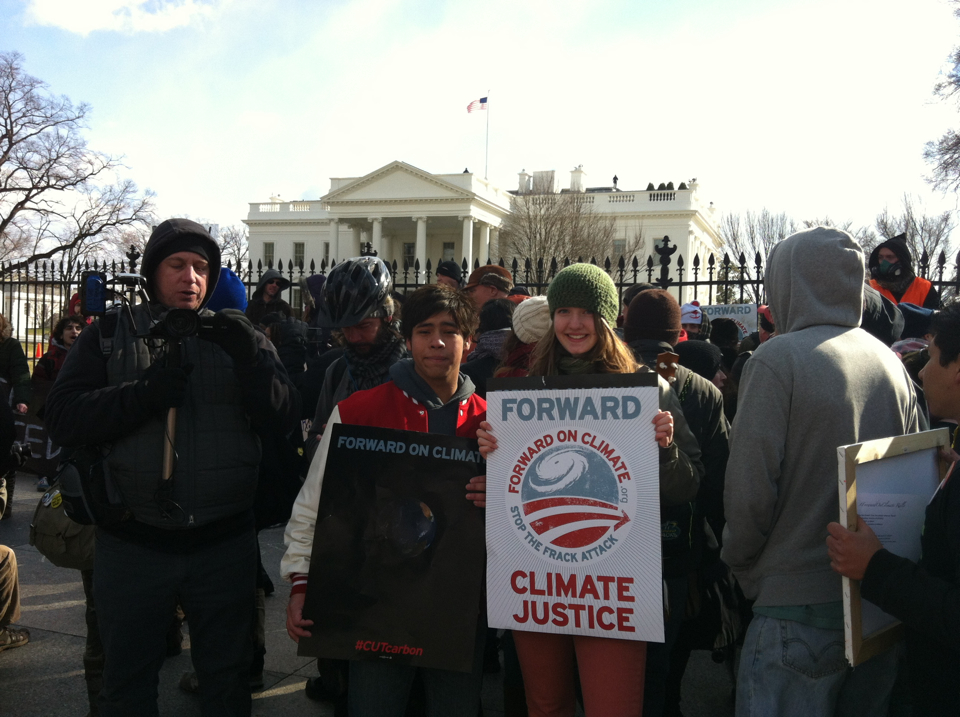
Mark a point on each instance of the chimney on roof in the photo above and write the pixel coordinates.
(576, 178)
(525, 182)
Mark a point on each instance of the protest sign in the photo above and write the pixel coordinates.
(398, 554)
(573, 509)
(31, 431)
(888, 482)
(743, 315)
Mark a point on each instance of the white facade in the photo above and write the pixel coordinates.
(405, 212)
(402, 211)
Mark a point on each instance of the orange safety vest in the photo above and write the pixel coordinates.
(916, 293)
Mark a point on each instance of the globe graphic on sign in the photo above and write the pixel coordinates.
(571, 498)
(559, 470)
(408, 525)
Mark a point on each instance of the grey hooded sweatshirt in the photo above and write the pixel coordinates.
(821, 383)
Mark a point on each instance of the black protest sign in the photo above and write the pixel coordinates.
(398, 552)
(31, 431)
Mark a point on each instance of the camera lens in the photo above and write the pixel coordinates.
(180, 323)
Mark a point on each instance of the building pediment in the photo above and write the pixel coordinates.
(396, 182)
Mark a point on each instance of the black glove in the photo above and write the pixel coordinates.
(163, 387)
(233, 332)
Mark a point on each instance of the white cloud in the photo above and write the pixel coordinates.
(126, 16)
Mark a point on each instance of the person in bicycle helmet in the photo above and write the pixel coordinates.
(355, 302)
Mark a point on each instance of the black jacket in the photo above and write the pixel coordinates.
(257, 307)
(702, 406)
(926, 597)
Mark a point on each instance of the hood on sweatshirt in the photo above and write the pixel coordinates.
(815, 277)
(404, 374)
(270, 275)
(176, 235)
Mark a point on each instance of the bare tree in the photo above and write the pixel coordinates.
(546, 224)
(926, 233)
(866, 237)
(747, 237)
(57, 196)
(944, 153)
(235, 247)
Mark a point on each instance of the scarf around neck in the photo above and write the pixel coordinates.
(371, 369)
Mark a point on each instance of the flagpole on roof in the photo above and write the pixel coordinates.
(486, 152)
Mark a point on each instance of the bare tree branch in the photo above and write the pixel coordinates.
(235, 247)
(546, 224)
(57, 196)
(928, 234)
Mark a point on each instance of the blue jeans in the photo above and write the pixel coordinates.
(788, 668)
(381, 688)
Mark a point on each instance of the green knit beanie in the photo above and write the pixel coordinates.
(585, 286)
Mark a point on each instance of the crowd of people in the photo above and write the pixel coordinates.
(203, 439)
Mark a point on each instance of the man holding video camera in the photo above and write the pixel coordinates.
(190, 537)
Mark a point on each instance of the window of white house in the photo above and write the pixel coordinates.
(448, 251)
(409, 253)
(268, 258)
(619, 247)
(326, 251)
(298, 254)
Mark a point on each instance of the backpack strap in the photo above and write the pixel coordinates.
(108, 329)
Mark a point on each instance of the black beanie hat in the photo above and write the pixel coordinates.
(701, 357)
(176, 235)
(653, 314)
(451, 270)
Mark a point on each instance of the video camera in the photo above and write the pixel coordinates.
(94, 291)
(178, 324)
(174, 325)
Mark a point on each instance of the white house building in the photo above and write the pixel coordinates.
(406, 213)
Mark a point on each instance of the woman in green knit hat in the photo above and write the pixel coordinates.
(584, 305)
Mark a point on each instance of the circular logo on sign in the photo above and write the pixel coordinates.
(573, 506)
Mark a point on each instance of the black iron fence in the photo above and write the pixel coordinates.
(34, 298)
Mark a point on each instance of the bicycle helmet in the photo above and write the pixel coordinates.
(355, 289)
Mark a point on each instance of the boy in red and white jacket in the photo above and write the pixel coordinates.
(426, 393)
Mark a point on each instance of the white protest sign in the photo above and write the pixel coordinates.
(743, 315)
(573, 512)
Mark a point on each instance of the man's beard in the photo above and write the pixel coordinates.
(364, 347)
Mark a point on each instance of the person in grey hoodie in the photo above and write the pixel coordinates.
(822, 382)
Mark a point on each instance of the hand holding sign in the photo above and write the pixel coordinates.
(663, 424)
(295, 621)
(486, 439)
(850, 550)
(477, 491)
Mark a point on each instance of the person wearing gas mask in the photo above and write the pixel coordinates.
(891, 273)
(190, 536)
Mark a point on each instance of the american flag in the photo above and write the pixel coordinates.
(480, 104)
(571, 521)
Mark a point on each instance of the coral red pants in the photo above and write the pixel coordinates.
(611, 674)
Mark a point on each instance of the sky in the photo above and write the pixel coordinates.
(810, 107)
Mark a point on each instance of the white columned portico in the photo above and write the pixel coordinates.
(377, 240)
(484, 242)
(495, 242)
(357, 238)
(420, 250)
(335, 252)
(468, 240)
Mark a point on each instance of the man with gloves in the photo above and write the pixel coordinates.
(190, 536)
